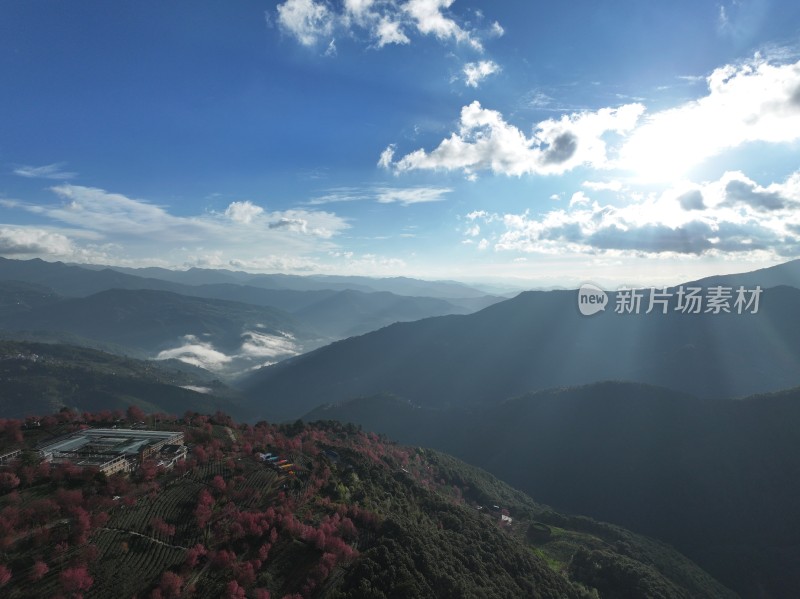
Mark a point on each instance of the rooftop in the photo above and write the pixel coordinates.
(109, 440)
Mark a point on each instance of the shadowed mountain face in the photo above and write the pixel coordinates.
(718, 479)
(539, 340)
(348, 313)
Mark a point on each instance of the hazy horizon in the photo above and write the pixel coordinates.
(490, 284)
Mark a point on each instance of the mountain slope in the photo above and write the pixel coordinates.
(359, 518)
(17, 297)
(74, 281)
(39, 378)
(216, 334)
(341, 314)
(716, 478)
(773, 276)
(348, 313)
(539, 340)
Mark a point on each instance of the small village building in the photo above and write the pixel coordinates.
(113, 450)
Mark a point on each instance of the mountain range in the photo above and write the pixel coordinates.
(209, 318)
(691, 439)
(539, 340)
(396, 285)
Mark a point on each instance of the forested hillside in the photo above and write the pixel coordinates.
(718, 479)
(39, 378)
(358, 517)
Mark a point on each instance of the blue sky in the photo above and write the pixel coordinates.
(619, 142)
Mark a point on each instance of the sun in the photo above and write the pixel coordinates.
(657, 155)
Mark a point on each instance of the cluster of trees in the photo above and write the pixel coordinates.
(237, 540)
(55, 530)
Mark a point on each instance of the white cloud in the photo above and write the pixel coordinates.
(331, 50)
(413, 195)
(22, 242)
(117, 229)
(732, 215)
(197, 353)
(579, 199)
(390, 32)
(385, 161)
(603, 185)
(358, 8)
(270, 263)
(722, 18)
(261, 345)
(347, 262)
(430, 20)
(243, 212)
(755, 101)
(254, 348)
(476, 214)
(497, 30)
(384, 21)
(94, 208)
(48, 171)
(322, 225)
(196, 389)
(97, 209)
(306, 20)
(383, 195)
(475, 72)
(692, 78)
(485, 141)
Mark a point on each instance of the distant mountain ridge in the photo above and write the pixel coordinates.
(328, 308)
(152, 320)
(397, 285)
(539, 340)
(787, 273)
(219, 335)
